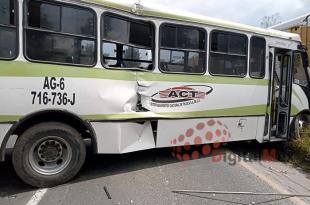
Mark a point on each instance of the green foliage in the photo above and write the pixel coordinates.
(300, 151)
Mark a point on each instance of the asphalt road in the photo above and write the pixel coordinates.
(144, 178)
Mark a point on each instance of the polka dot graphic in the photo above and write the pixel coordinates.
(195, 155)
(206, 150)
(218, 133)
(198, 140)
(186, 157)
(209, 136)
(210, 132)
(181, 138)
(200, 126)
(211, 122)
(189, 132)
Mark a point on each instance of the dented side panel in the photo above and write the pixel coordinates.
(123, 137)
(4, 128)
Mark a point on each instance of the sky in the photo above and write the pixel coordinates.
(248, 12)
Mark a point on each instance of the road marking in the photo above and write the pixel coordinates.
(276, 186)
(37, 197)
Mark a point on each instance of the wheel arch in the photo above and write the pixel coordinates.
(292, 124)
(302, 112)
(64, 116)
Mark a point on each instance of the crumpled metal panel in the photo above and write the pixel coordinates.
(123, 137)
(4, 128)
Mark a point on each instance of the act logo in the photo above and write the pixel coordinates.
(180, 96)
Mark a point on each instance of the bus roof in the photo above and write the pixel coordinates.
(148, 9)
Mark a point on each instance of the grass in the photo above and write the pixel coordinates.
(299, 152)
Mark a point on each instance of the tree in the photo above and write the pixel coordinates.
(268, 21)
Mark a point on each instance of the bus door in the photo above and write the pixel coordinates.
(268, 116)
(281, 93)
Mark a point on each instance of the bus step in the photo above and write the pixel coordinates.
(276, 139)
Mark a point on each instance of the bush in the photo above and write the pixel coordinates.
(300, 150)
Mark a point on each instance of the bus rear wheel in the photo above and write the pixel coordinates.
(48, 154)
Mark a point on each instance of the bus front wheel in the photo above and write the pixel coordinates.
(48, 154)
(301, 126)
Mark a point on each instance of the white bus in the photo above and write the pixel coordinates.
(129, 76)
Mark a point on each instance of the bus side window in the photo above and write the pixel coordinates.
(109, 51)
(228, 54)
(257, 57)
(127, 43)
(8, 30)
(58, 33)
(299, 72)
(182, 49)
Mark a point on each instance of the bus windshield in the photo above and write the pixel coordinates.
(301, 76)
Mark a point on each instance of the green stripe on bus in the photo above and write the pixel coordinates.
(150, 12)
(227, 112)
(9, 118)
(238, 111)
(113, 5)
(268, 110)
(28, 69)
(294, 110)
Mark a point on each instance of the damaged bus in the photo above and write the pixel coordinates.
(128, 76)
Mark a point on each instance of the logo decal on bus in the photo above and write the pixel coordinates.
(180, 96)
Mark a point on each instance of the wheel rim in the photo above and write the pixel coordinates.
(302, 126)
(50, 155)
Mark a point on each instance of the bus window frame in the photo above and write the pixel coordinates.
(183, 50)
(16, 27)
(265, 53)
(305, 68)
(57, 3)
(247, 54)
(129, 19)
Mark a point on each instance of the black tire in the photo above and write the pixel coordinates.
(304, 120)
(31, 136)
